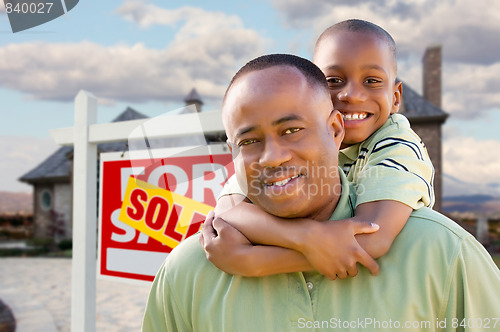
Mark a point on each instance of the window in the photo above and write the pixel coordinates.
(46, 200)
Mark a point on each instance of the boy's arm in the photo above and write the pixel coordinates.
(232, 252)
(391, 216)
(329, 246)
(332, 246)
(320, 242)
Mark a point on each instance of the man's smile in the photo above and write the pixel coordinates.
(280, 183)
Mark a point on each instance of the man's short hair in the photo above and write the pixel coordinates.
(356, 25)
(311, 72)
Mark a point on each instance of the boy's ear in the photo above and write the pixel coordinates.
(397, 97)
(336, 123)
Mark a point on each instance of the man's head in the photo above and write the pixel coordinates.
(358, 59)
(284, 136)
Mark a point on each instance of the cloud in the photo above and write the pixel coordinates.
(21, 154)
(298, 12)
(207, 49)
(467, 34)
(470, 89)
(197, 20)
(472, 160)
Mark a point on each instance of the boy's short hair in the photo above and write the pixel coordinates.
(311, 72)
(356, 25)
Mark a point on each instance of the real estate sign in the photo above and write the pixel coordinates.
(151, 200)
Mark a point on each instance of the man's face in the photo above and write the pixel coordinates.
(285, 138)
(361, 73)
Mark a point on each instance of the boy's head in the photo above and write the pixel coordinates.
(358, 59)
(284, 136)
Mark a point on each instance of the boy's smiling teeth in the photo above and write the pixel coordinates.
(354, 116)
(282, 182)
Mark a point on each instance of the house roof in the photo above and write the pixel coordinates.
(129, 114)
(193, 97)
(418, 109)
(57, 167)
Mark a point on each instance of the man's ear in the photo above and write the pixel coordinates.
(397, 97)
(336, 123)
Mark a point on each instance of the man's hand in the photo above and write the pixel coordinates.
(225, 246)
(331, 248)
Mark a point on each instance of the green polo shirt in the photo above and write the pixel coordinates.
(434, 276)
(391, 164)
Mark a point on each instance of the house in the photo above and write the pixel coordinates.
(51, 179)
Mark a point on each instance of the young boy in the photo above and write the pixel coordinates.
(380, 154)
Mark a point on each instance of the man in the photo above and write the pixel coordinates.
(285, 138)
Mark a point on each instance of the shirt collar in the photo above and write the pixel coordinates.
(347, 202)
(351, 152)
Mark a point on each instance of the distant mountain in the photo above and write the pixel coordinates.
(476, 204)
(457, 187)
(16, 202)
(461, 197)
(470, 199)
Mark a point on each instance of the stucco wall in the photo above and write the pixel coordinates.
(42, 213)
(53, 220)
(62, 206)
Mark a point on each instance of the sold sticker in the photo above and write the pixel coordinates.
(162, 214)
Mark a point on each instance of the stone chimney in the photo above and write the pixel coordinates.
(194, 98)
(432, 75)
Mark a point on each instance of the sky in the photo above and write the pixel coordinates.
(148, 55)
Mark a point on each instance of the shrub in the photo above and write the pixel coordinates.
(65, 244)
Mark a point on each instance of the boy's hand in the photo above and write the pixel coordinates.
(331, 248)
(225, 246)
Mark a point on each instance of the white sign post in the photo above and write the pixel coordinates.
(83, 283)
(85, 136)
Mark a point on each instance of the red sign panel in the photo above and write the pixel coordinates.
(125, 252)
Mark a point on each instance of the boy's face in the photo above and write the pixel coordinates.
(361, 74)
(285, 140)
